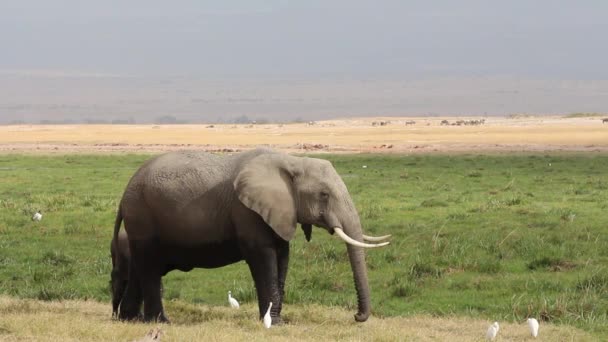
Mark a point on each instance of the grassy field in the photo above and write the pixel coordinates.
(498, 237)
(31, 320)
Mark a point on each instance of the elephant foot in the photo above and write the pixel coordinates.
(160, 318)
(277, 320)
(130, 317)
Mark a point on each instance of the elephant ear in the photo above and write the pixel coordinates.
(264, 185)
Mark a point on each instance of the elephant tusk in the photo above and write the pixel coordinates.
(376, 238)
(354, 242)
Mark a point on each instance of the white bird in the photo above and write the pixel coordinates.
(267, 319)
(492, 331)
(533, 324)
(37, 216)
(232, 301)
(153, 335)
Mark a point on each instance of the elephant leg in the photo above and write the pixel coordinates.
(118, 293)
(263, 266)
(147, 262)
(132, 298)
(282, 266)
(153, 306)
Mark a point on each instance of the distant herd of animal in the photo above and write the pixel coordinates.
(463, 122)
(448, 123)
(443, 123)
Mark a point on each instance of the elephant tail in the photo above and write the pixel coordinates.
(117, 222)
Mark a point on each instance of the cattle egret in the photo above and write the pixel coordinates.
(492, 332)
(533, 324)
(232, 301)
(153, 335)
(37, 216)
(267, 319)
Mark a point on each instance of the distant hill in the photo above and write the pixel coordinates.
(30, 97)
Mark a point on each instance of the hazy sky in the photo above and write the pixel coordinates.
(549, 39)
(201, 60)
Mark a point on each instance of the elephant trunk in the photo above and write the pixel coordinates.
(356, 255)
(347, 225)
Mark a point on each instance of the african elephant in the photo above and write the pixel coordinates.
(121, 256)
(193, 209)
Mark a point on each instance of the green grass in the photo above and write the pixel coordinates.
(497, 237)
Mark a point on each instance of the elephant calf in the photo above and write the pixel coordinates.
(121, 256)
(193, 209)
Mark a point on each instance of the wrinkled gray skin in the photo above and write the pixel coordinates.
(193, 209)
(121, 256)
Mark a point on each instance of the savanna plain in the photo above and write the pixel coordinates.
(477, 237)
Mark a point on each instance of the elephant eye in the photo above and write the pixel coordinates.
(324, 195)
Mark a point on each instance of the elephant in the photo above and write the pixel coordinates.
(121, 256)
(188, 209)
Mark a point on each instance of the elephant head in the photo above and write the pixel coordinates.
(285, 190)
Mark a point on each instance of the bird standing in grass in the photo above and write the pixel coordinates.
(232, 301)
(533, 324)
(267, 318)
(153, 335)
(37, 216)
(492, 331)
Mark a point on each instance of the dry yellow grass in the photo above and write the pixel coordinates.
(30, 320)
(537, 133)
